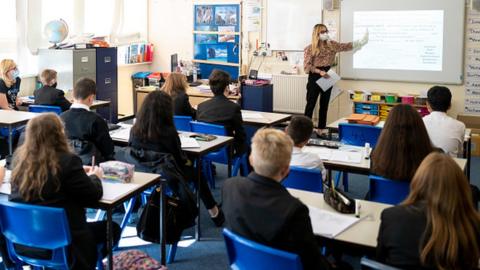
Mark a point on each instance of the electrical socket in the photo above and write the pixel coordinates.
(264, 52)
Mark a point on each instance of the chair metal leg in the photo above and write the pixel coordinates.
(171, 253)
(128, 212)
(337, 178)
(345, 181)
(236, 166)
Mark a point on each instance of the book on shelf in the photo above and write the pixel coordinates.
(135, 53)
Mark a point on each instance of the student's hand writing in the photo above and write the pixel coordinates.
(96, 171)
(87, 169)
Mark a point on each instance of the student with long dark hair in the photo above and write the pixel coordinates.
(154, 130)
(437, 226)
(402, 145)
(46, 172)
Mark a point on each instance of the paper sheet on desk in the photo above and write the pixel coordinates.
(325, 84)
(187, 142)
(250, 115)
(122, 133)
(329, 224)
(346, 156)
(113, 190)
(323, 152)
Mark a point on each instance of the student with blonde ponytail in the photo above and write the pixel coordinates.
(319, 56)
(437, 226)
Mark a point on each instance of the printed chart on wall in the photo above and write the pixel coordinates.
(472, 63)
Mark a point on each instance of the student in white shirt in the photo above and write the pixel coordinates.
(444, 131)
(300, 129)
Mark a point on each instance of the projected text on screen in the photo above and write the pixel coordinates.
(400, 40)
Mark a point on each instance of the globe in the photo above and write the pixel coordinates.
(56, 31)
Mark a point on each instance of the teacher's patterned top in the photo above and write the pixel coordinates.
(326, 56)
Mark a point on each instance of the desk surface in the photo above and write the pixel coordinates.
(100, 103)
(257, 118)
(362, 233)
(122, 135)
(193, 91)
(143, 180)
(13, 118)
(334, 125)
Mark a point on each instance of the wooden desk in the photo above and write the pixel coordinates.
(121, 136)
(12, 119)
(467, 141)
(363, 233)
(256, 118)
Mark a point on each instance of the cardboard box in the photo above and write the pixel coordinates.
(475, 145)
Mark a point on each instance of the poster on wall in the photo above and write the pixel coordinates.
(472, 64)
(253, 13)
(225, 15)
(203, 14)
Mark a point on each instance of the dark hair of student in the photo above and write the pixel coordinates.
(300, 129)
(218, 81)
(37, 157)
(84, 87)
(439, 98)
(155, 115)
(450, 240)
(402, 145)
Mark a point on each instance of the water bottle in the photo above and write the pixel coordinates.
(194, 71)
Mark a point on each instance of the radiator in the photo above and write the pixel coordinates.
(289, 93)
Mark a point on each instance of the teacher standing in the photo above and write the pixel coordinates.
(318, 58)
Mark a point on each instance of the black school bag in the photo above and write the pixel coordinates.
(181, 208)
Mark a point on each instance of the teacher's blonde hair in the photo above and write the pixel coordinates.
(316, 38)
(271, 151)
(5, 66)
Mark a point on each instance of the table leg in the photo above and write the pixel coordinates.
(10, 140)
(110, 111)
(110, 239)
(199, 175)
(163, 249)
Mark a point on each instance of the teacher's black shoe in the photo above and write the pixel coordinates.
(219, 219)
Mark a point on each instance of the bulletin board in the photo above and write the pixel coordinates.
(217, 38)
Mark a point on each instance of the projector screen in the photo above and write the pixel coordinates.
(414, 41)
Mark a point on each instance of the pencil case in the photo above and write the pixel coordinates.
(117, 170)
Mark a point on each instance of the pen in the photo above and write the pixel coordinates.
(93, 161)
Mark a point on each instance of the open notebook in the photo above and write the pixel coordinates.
(329, 224)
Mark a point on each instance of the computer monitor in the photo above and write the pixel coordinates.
(173, 62)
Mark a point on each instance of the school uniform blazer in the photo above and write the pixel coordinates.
(88, 126)
(76, 191)
(51, 96)
(181, 105)
(220, 110)
(262, 210)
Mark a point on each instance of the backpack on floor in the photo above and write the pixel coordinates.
(135, 259)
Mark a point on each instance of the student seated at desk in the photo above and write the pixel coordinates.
(220, 110)
(259, 208)
(55, 177)
(9, 85)
(402, 145)
(86, 130)
(300, 129)
(154, 132)
(176, 86)
(436, 227)
(49, 94)
(444, 131)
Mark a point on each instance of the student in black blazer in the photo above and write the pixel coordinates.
(86, 130)
(154, 130)
(259, 208)
(220, 110)
(436, 227)
(49, 94)
(55, 177)
(176, 86)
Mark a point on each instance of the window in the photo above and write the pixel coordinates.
(135, 18)
(98, 17)
(55, 10)
(8, 30)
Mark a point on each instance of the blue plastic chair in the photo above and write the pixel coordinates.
(369, 264)
(44, 108)
(389, 191)
(304, 179)
(39, 227)
(182, 122)
(220, 156)
(245, 254)
(357, 135)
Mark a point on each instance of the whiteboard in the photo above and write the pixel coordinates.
(290, 23)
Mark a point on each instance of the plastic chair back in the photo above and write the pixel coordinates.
(182, 122)
(389, 191)
(246, 254)
(39, 227)
(367, 263)
(358, 135)
(44, 108)
(304, 179)
(220, 156)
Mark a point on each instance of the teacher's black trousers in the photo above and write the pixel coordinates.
(313, 91)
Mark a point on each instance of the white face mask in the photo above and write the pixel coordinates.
(324, 37)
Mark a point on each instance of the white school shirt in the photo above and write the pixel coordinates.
(307, 160)
(79, 106)
(445, 132)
